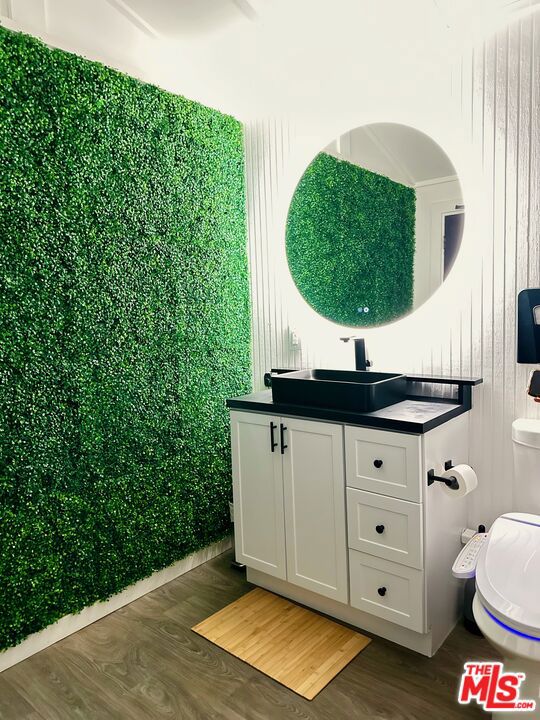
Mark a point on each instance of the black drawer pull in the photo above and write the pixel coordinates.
(378, 463)
(273, 443)
(381, 591)
(282, 429)
(379, 529)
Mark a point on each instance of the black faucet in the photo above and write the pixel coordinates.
(360, 353)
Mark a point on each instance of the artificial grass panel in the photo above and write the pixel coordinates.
(124, 325)
(350, 243)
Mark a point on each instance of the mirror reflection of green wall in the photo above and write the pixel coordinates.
(374, 225)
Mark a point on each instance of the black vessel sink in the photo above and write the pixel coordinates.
(356, 390)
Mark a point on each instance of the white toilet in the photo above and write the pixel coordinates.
(506, 605)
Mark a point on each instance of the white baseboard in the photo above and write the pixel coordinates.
(71, 623)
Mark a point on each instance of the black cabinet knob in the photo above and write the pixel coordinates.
(377, 463)
(379, 529)
(381, 591)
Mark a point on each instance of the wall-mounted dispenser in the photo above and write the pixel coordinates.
(528, 333)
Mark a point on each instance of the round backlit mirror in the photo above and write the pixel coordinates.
(374, 225)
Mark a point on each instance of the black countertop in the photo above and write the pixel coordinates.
(413, 415)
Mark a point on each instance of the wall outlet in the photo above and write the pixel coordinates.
(295, 339)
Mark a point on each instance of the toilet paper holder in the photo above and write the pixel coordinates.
(450, 482)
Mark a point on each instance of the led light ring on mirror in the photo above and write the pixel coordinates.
(367, 226)
(433, 321)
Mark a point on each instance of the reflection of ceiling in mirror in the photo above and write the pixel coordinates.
(399, 152)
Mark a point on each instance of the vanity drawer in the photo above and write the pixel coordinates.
(385, 527)
(390, 591)
(384, 462)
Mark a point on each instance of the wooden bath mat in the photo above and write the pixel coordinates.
(293, 645)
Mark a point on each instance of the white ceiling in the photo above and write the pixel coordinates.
(288, 56)
(320, 62)
(396, 151)
(177, 18)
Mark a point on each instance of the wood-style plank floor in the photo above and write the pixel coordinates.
(299, 648)
(143, 663)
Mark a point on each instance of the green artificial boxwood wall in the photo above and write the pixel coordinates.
(124, 325)
(350, 243)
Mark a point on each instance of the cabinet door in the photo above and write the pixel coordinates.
(259, 529)
(313, 476)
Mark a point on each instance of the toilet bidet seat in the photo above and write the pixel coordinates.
(508, 574)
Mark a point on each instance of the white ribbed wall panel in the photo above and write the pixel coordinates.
(494, 94)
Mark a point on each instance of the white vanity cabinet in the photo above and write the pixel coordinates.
(340, 518)
(289, 500)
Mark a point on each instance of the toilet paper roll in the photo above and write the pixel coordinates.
(466, 477)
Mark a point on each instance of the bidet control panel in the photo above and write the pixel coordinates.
(465, 564)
